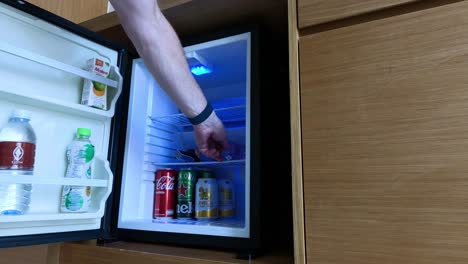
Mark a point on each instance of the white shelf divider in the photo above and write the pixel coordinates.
(102, 170)
(27, 55)
(8, 178)
(4, 219)
(227, 163)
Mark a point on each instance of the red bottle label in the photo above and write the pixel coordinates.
(17, 155)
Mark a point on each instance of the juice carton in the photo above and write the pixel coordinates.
(94, 93)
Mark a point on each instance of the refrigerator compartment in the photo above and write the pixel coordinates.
(235, 115)
(156, 130)
(137, 211)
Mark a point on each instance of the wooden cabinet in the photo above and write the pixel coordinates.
(313, 12)
(74, 10)
(384, 108)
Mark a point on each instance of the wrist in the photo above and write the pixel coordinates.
(200, 118)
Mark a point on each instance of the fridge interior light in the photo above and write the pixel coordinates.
(198, 64)
(200, 70)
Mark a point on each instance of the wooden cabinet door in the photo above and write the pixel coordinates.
(74, 10)
(312, 12)
(385, 140)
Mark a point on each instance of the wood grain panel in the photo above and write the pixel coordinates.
(99, 23)
(313, 12)
(296, 138)
(24, 255)
(123, 253)
(385, 140)
(74, 10)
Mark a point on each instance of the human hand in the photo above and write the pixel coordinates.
(211, 138)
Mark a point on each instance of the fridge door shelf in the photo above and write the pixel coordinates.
(9, 178)
(103, 177)
(25, 54)
(229, 115)
(37, 222)
(4, 219)
(115, 81)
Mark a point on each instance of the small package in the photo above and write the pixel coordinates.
(94, 93)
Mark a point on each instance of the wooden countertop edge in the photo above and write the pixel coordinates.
(145, 253)
(111, 19)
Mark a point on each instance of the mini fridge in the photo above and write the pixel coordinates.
(42, 61)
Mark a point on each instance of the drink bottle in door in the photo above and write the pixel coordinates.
(80, 155)
(17, 154)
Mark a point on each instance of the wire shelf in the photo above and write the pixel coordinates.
(235, 114)
(210, 164)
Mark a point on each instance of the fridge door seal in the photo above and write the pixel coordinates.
(62, 23)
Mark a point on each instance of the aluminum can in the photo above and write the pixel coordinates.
(227, 200)
(186, 193)
(206, 198)
(164, 194)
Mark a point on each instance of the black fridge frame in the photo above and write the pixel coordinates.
(245, 246)
(25, 240)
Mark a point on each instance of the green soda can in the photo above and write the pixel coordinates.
(186, 193)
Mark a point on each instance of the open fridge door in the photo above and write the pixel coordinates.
(158, 136)
(42, 68)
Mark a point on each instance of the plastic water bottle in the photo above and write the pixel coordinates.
(17, 154)
(80, 155)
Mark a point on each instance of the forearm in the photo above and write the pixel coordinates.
(165, 59)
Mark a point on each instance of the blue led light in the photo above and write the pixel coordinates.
(200, 70)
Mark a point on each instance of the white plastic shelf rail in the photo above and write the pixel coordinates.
(114, 81)
(227, 115)
(27, 55)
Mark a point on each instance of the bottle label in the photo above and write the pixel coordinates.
(17, 155)
(80, 161)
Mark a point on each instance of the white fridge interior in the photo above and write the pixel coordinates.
(156, 129)
(41, 68)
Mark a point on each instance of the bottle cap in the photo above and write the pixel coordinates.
(83, 132)
(21, 114)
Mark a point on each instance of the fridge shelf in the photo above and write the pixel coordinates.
(232, 223)
(210, 164)
(115, 81)
(228, 115)
(56, 105)
(222, 227)
(48, 217)
(31, 56)
(9, 178)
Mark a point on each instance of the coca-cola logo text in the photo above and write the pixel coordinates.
(165, 183)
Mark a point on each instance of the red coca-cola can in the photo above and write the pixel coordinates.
(164, 194)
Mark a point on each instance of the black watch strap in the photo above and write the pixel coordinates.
(200, 118)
